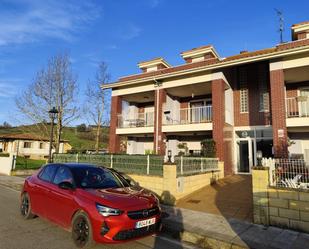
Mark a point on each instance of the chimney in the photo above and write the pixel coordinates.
(200, 54)
(300, 31)
(153, 65)
(243, 51)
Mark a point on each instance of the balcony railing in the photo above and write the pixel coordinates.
(193, 115)
(139, 120)
(297, 107)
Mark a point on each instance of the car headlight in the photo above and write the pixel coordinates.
(107, 211)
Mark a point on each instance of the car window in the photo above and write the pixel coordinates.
(63, 174)
(96, 178)
(48, 173)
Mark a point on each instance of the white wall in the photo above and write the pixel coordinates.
(138, 147)
(173, 106)
(6, 165)
(229, 111)
(300, 146)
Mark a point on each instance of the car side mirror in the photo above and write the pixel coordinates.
(66, 185)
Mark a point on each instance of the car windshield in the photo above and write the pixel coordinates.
(97, 178)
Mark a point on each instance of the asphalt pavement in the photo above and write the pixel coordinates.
(16, 233)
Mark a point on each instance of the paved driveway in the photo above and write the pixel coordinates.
(230, 197)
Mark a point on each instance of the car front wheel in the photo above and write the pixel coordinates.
(25, 207)
(82, 231)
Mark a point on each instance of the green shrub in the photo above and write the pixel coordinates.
(4, 154)
(208, 148)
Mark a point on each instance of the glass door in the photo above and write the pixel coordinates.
(304, 103)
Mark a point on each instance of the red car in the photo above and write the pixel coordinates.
(95, 203)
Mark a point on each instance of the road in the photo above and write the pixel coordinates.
(16, 233)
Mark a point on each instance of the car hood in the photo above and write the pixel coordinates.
(128, 198)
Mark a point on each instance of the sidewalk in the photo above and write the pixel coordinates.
(214, 231)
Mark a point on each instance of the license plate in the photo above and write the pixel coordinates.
(145, 223)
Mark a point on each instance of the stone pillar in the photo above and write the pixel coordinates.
(114, 139)
(260, 183)
(169, 184)
(218, 116)
(159, 136)
(277, 92)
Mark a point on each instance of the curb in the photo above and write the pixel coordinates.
(201, 241)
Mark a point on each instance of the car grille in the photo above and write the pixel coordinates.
(136, 233)
(142, 214)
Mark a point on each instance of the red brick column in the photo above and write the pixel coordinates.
(218, 116)
(159, 136)
(278, 113)
(114, 139)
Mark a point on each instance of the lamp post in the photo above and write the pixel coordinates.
(52, 114)
(259, 157)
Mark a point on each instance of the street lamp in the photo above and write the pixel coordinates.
(52, 114)
(259, 157)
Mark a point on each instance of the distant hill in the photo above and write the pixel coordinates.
(79, 139)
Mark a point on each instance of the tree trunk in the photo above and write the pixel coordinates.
(97, 139)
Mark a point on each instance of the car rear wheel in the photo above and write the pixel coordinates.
(82, 231)
(25, 207)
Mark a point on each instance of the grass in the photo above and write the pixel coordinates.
(80, 141)
(25, 163)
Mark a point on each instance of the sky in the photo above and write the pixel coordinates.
(125, 32)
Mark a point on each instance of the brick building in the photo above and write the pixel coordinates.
(249, 102)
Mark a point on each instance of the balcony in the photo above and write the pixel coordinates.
(136, 124)
(188, 119)
(297, 111)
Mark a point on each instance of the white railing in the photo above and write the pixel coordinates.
(193, 115)
(297, 107)
(195, 165)
(287, 173)
(139, 120)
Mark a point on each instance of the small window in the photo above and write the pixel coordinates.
(48, 173)
(244, 92)
(27, 144)
(42, 146)
(263, 88)
(63, 175)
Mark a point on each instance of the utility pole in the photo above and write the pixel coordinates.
(281, 24)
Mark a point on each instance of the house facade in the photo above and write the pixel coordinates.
(29, 146)
(249, 102)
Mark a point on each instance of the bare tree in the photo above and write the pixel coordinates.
(54, 85)
(97, 101)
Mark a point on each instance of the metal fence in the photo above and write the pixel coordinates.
(134, 164)
(195, 165)
(287, 173)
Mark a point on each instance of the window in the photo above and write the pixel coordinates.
(63, 175)
(48, 173)
(27, 144)
(243, 87)
(42, 146)
(263, 88)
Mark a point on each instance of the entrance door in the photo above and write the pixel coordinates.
(245, 157)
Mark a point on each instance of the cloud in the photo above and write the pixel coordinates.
(130, 31)
(23, 21)
(8, 87)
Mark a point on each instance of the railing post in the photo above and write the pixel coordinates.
(181, 165)
(111, 160)
(148, 162)
(202, 169)
(77, 158)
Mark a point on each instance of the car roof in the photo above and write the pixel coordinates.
(75, 165)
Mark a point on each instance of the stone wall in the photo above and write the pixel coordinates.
(171, 188)
(282, 207)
